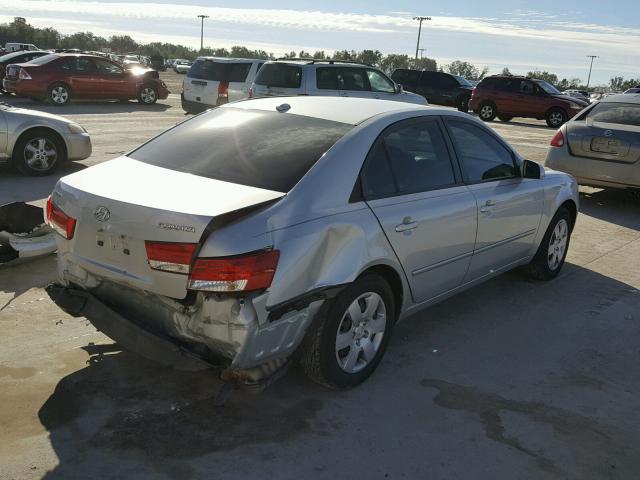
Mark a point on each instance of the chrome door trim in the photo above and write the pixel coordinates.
(506, 240)
(441, 264)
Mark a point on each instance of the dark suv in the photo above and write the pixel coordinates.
(437, 87)
(506, 97)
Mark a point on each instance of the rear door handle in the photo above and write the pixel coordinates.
(406, 225)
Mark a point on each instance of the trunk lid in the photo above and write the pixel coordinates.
(120, 204)
(604, 141)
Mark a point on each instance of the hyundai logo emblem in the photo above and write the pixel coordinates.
(102, 214)
(608, 133)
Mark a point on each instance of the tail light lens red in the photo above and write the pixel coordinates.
(60, 221)
(253, 271)
(170, 256)
(473, 91)
(558, 139)
(24, 75)
(251, 93)
(223, 89)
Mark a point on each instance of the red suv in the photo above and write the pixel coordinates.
(506, 97)
(60, 77)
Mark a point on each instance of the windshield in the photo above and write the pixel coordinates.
(547, 87)
(258, 148)
(462, 81)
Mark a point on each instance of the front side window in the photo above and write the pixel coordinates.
(527, 87)
(416, 157)
(327, 78)
(547, 87)
(379, 82)
(620, 113)
(354, 79)
(483, 157)
(108, 68)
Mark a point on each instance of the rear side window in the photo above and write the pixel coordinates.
(79, 65)
(410, 158)
(279, 75)
(620, 113)
(237, 72)
(327, 78)
(483, 157)
(261, 149)
(405, 76)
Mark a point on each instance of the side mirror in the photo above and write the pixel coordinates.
(532, 169)
(399, 88)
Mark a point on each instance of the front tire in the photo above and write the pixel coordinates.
(551, 254)
(487, 112)
(505, 118)
(38, 153)
(349, 336)
(59, 94)
(556, 117)
(147, 95)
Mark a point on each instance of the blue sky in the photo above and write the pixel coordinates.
(542, 34)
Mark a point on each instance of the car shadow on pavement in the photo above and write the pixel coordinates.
(127, 416)
(15, 187)
(620, 207)
(85, 107)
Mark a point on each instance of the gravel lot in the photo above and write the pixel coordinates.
(512, 379)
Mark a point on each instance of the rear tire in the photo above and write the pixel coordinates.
(463, 104)
(38, 153)
(349, 336)
(59, 94)
(487, 111)
(556, 117)
(551, 254)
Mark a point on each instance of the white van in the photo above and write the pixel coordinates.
(213, 81)
(17, 47)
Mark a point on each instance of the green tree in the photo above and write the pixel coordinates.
(391, 62)
(466, 70)
(425, 63)
(506, 71)
(370, 57)
(548, 77)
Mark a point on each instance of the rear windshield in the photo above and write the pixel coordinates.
(279, 75)
(620, 113)
(217, 71)
(44, 59)
(261, 149)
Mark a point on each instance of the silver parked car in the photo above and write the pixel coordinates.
(302, 227)
(601, 146)
(36, 143)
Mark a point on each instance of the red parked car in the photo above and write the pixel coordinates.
(506, 96)
(58, 78)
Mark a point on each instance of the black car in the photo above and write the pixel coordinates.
(437, 87)
(18, 57)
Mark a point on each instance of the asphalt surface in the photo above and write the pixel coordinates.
(513, 379)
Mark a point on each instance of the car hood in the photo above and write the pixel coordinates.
(27, 114)
(570, 99)
(411, 97)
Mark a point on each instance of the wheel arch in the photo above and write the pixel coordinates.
(573, 210)
(392, 277)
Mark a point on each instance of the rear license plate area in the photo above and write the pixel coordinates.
(607, 145)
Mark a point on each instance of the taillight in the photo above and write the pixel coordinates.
(558, 139)
(170, 256)
(233, 274)
(23, 75)
(223, 93)
(60, 221)
(251, 92)
(473, 91)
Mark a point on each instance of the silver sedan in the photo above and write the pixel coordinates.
(601, 146)
(36, 143)
(299, 228)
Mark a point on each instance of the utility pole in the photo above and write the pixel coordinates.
(202, 17)
(420, 19)
(421, 50)
(590, 68)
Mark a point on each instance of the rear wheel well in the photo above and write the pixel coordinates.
(573, 211)
(394, 281)
(48, 130)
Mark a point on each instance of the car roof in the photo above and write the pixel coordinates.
(622, 98)
(322, 62)
(230, 59)
(337, 109)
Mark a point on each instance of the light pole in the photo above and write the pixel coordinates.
(421, 50)
(590, 68)
(202, 17)
(420, 19)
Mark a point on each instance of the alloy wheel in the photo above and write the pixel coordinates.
(148, 95)
(40, 154)
(360, 332)
(486, 111)
(556, 119)
(557, 244)
(59, 95)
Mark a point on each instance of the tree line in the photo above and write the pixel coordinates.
(50, 38)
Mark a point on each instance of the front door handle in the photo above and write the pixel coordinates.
(487, 204)
(406, 225)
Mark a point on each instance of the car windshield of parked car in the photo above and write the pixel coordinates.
(547, 87)
(261, 149)
(462, 81)
(279, 75)
(44, 60)
(620, 113)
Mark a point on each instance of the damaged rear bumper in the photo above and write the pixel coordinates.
(231, 332)
(23, 233)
